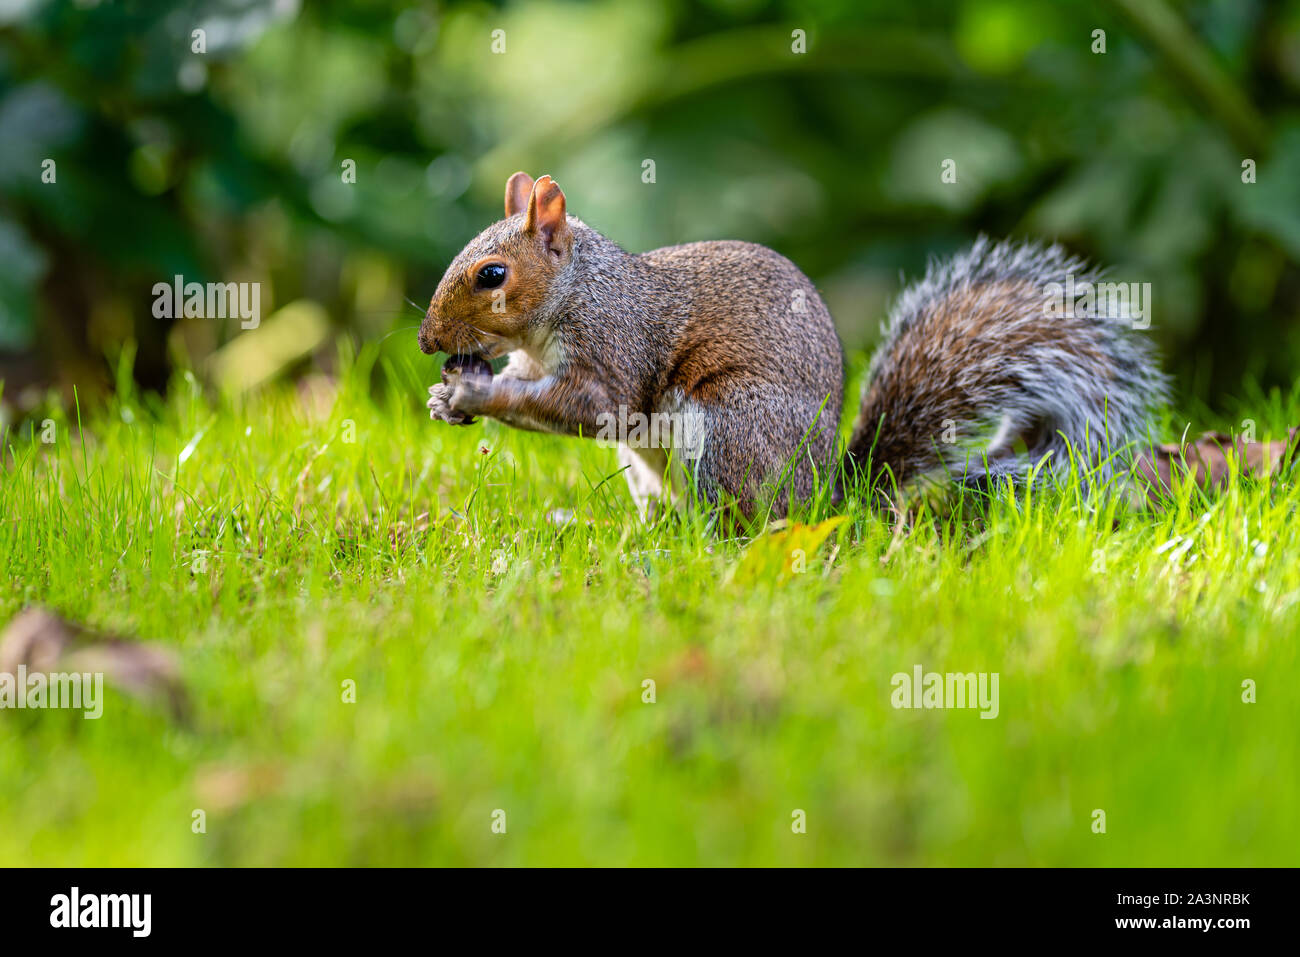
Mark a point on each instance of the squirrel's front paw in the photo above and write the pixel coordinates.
(469, 393)
(440, 406)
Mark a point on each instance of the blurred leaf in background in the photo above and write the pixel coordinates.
(341, 154)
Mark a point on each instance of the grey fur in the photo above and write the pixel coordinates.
(969, 354)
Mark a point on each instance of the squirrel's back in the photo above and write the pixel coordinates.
(746, 309)
(980, 376)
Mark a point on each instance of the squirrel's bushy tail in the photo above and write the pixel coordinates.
(985, 369)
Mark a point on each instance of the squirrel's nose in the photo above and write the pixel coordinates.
(427, 345)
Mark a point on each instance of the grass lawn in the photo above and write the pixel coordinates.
(499, 647)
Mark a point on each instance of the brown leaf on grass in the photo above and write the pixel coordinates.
(228, 786)
(35, 638)
(1209, 460)
(46, 642)
(691, 663)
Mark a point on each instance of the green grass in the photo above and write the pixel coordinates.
(499, 655)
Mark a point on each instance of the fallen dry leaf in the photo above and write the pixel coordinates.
(46, 642)
(226, 787)
(1207, 460)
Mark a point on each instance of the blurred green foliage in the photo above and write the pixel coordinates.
(226, 164)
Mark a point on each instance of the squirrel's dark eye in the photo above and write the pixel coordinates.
(490, 276)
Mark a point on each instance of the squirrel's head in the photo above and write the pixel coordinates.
(495, 290)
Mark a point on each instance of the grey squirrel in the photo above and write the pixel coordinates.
(974, 380)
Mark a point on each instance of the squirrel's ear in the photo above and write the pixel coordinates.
(517, 189)
(546, 214)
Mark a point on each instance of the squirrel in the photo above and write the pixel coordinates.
(972, 380)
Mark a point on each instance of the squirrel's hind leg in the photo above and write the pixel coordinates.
(644, 470)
